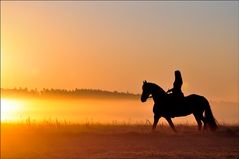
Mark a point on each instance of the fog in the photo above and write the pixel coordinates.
(89, 110)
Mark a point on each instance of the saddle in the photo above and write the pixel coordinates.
(176, 98)
(177, 103)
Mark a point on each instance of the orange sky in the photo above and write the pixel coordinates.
(117, 45)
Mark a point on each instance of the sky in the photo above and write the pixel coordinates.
(116, 45)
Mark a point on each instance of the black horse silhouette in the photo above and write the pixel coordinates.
(165, 106)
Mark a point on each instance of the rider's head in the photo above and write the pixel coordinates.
(177, 73)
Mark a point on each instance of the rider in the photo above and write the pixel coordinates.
(176, 90)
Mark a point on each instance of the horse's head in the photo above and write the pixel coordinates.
(146, 91)
(152, 89)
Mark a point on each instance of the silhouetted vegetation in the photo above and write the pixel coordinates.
(76, 93)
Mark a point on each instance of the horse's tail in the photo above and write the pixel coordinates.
(211, 121)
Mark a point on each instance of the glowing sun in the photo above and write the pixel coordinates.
(10, 109)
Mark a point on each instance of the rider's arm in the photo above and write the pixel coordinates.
(170, 90)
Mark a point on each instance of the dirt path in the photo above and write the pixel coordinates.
(49, 144)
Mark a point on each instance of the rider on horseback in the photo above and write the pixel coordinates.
(176, 90)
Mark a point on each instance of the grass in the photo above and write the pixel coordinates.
(115, 140)
(114, 127)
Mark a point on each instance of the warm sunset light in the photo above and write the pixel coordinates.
(10, 109)
(116, 45)
(119, 79)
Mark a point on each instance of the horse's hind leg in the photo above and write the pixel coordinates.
(171, 123)
(205, 122)
(198, 119)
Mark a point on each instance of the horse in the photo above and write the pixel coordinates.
(165, 105)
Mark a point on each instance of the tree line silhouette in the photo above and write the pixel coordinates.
(77, 93)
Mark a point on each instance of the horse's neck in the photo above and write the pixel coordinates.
(158, 95)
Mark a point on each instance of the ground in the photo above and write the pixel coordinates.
(115, 141)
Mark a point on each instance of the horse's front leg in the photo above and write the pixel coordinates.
(171, 123)
(156, 119)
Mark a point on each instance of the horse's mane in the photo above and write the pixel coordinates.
(155, 86)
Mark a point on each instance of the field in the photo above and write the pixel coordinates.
(115, 141)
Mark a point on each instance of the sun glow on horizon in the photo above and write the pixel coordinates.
(10, 109)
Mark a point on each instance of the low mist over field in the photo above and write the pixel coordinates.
(89, 105)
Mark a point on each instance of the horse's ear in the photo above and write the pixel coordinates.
(145, 82)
